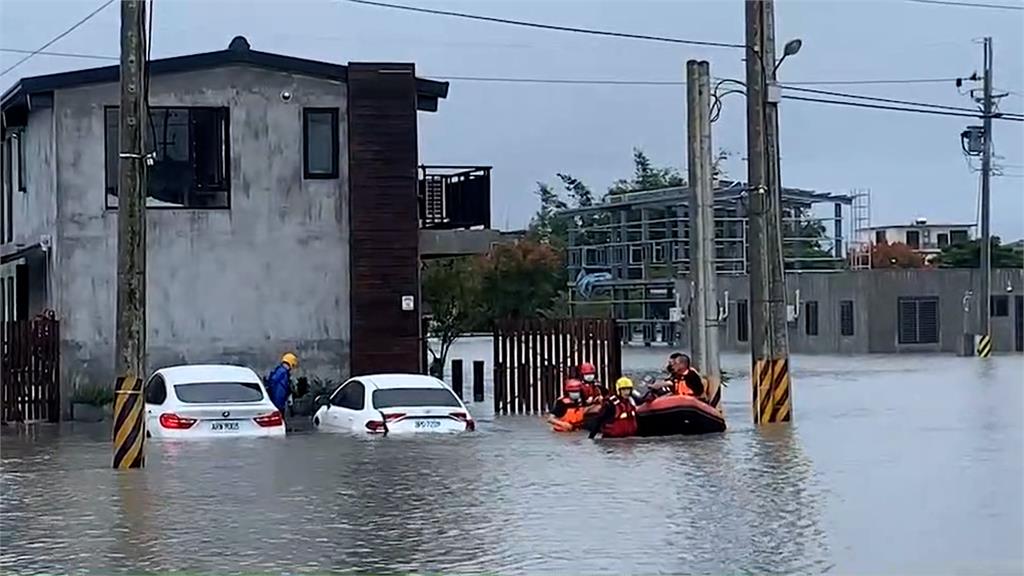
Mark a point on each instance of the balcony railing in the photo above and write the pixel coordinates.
(455, 197)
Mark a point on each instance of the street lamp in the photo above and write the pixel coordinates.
(791, 48)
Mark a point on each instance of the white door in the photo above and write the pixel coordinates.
(346, 404)
(155, 395)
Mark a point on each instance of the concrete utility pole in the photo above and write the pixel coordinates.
(769, 339)
(704, 321)
(985, 292)
(130, 361)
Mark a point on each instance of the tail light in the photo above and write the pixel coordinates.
(393, 417)
(463, 417)
(270, 420)
(172, 421)
(375, 426)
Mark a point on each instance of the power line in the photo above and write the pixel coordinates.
(61, 54)
(878, 99)
(898, 109)
(58, 37)
(866, 82)
(968, 4)
(542, 26)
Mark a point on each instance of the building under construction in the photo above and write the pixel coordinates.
(625, 254)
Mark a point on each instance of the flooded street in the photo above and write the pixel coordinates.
(908, 465)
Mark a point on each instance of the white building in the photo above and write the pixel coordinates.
(924, 237)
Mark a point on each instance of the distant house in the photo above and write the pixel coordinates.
(920, 235)
(284, 211)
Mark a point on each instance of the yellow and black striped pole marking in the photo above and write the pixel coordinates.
(129, 424)
(772, 399)
(985, 346)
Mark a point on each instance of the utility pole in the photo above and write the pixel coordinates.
(985, 293)
(130, 360)
(769, 340)
(705, 318)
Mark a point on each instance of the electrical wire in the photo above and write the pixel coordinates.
(541, 26)
(61, 54)
(877, 99)
(58, 37)
(898, 109)
(967, 4)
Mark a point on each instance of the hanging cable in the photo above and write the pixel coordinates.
(58, 37)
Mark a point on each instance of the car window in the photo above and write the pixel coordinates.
(156, 390)
(351, 396)
(414, 397)
(219, 392)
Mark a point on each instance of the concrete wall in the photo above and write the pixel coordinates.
(241, 285)
(875, 295)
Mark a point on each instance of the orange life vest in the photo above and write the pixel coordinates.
(573, 417)
(624, 422)
(680, 383)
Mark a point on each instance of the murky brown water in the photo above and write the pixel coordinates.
(895, 465)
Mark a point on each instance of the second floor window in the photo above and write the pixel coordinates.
(191, 168)
(914, 239)
(320, 149)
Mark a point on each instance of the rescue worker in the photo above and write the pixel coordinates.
(686, 381)
(618, 413)
(279, 382)
(593, 392)
(567, 412)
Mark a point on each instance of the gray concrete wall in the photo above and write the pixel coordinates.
(875, 295)
(241, 285)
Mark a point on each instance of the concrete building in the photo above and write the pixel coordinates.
(284, 211)
(924, 238)
(880, 311)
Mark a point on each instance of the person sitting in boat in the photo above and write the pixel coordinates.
(686, 381)
(567, 412)
(593, 392)
(618, 413)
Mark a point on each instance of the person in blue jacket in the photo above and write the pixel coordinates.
(279, 382)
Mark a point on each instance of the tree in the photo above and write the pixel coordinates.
(451, 290)
(547, 226)
(646, 176)
(803, 248)
(895, 255)
(968, 255)
(521, 280)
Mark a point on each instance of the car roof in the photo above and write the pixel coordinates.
(386, 381)
(207, 373)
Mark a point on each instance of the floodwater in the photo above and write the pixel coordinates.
(893, 465)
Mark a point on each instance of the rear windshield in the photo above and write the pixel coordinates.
(219, 392)
(413, 398)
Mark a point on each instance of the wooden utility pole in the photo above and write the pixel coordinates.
(704, 319)
(769, 339)
(985, 292)
(130, 362)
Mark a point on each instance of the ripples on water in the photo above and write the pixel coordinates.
(905, 469)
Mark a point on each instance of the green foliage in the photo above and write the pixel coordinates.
(646, 176)
(547, 226)
(968, 255)
(521, 280)
(451, 289)
(808, 250)
(98, 396)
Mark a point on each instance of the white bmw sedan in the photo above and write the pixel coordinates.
(392, 404)
(209, 401)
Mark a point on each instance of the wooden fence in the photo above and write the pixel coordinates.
(30, 370)
(533, 357)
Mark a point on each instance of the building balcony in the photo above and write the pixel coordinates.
(454, 197)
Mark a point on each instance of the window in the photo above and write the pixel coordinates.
(636, 254)
(942, 239)
(957, 237)
(414, 398)
(156, 391)
(913, 239)
(846, 317)
(880, 237)
(219, 392)
(351, 396)
(320, 142)
(918, 320)
(19, 159)
(811, 318)
(659, 252)
(7, 193)
(742, 321)
(999, 305)
(192, 157)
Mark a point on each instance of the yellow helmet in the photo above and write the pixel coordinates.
(623, 383)
(290, 359)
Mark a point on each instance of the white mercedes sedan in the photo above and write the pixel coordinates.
(392, 404)
(209, 401)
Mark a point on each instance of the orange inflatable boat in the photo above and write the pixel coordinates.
(674, 414)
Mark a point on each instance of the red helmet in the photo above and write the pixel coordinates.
(573, 385)
(587, 368)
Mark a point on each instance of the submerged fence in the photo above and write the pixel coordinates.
(533, 357)
(29, 370)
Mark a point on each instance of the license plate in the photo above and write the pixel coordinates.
(224, 426)
(427, 424)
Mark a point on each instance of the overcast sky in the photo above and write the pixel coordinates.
(912, 163)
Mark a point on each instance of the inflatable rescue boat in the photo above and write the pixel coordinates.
(674, 414)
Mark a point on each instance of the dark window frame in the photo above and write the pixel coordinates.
(335, 145)
(811, 318)
(881, 237)
(917, 338)
(194, 188)
(7, 190)
(916, 245)
(999, 305)
(150, 387)
(847, 318)
(19, 158)
(959, 236)
(742, 321)
(340, 395)
(942, 239)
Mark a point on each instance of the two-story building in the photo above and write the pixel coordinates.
(923, 237)
(283, 213)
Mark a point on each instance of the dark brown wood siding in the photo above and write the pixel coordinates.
(383, 218)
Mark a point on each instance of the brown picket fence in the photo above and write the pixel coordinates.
(30, 370)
